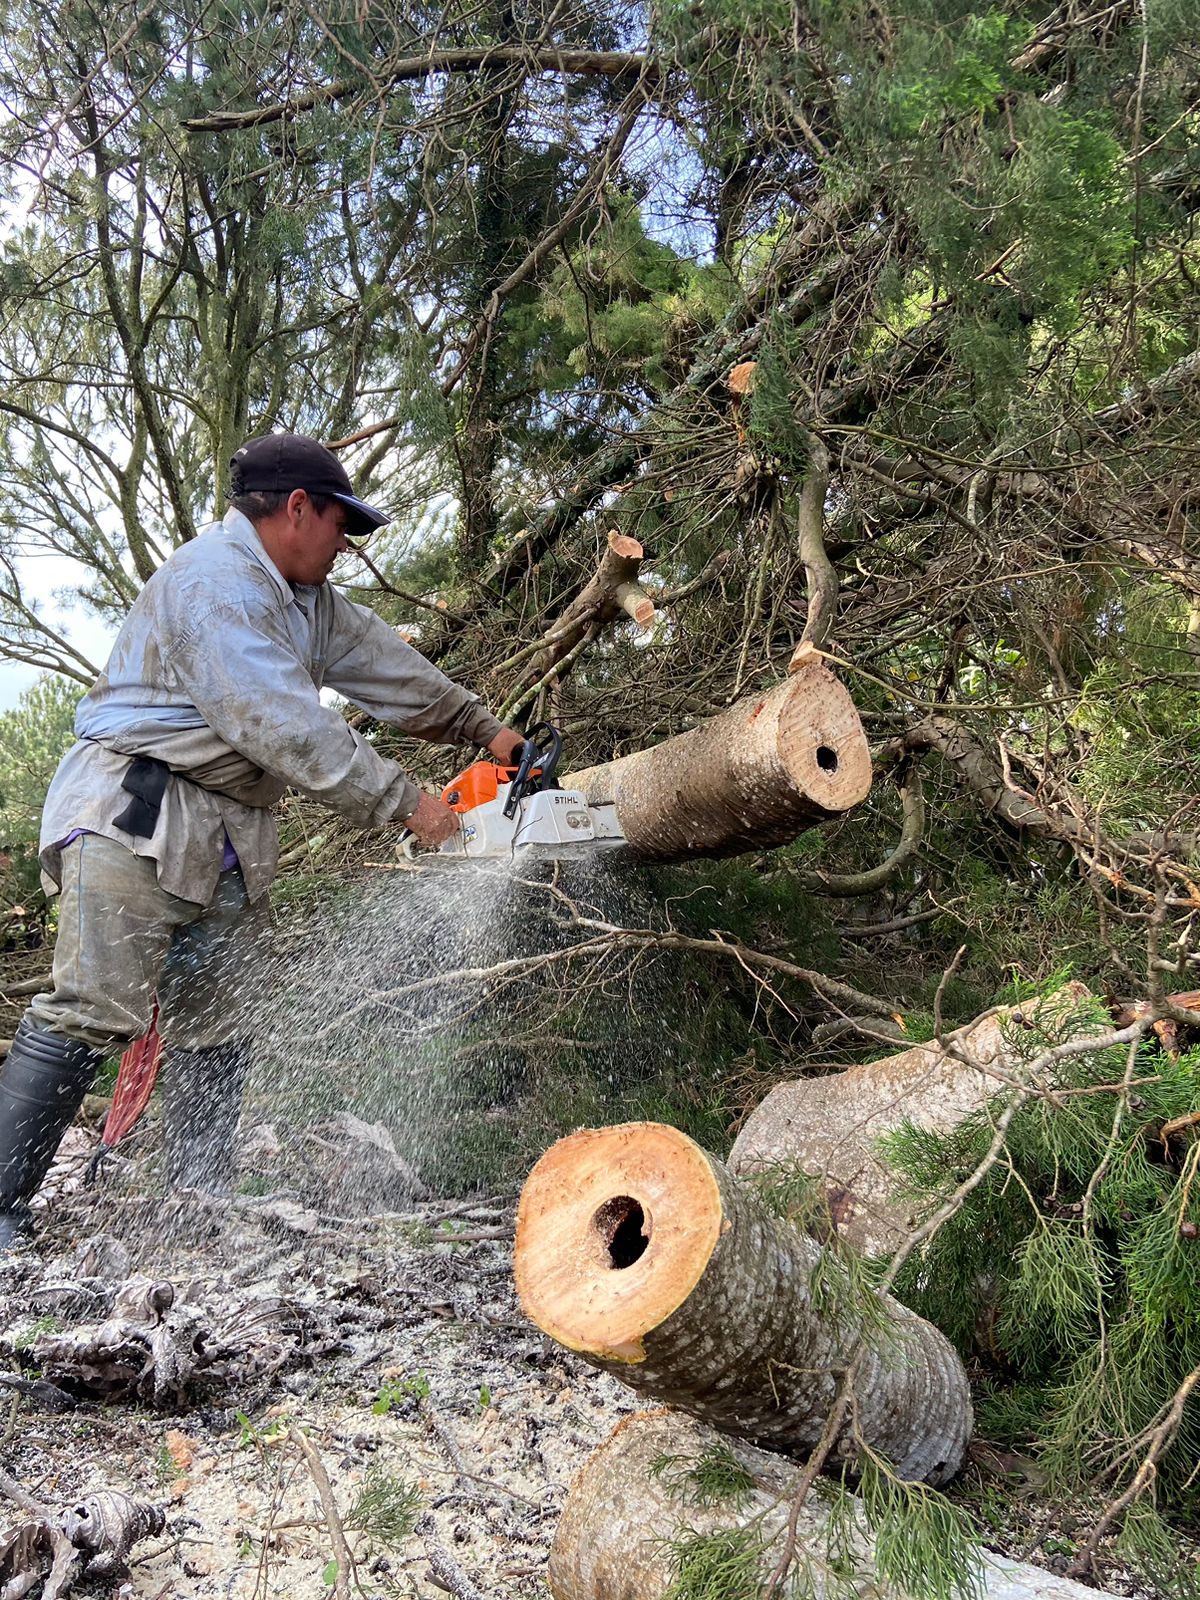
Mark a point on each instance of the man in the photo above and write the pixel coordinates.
(157, 829)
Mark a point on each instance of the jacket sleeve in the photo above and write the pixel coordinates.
(252, 689)
(372, 665)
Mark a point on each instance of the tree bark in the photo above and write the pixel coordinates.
(622, 1509)
(829, 1126)
(643, 1254)
(750, 779)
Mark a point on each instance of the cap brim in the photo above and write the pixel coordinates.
(364, 518)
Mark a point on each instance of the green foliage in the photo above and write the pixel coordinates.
(843, 1283)
(624, 308)
(715, 1477)
(923, 1545)
(386, 1508)
(919, 1542)
(396, 1392)
(774, 400)
(33, 738)
(28, 1336)
(254, 1435)
(715, 1566)
(1073, 1262)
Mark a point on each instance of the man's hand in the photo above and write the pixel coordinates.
(433, 822)
(506, 747)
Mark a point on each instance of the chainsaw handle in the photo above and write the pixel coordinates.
(537, 765)
(535, 770)
(547, 746)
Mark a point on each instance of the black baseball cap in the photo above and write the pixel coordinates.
(277, 463)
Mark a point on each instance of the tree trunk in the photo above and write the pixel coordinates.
(623, 1510)
(752, 778)
(830, 1126)
(642, 1253)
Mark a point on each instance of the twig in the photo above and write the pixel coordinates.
(440, 609)
(341, 1550)
(26, 986)
(445, 1571)
(10, 1427)
(912, 831)
(22, 1497)
(813, 1466)
(1178, 1124)
(512, 707)
(1058, 1052)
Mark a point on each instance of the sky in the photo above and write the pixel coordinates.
(43, 578)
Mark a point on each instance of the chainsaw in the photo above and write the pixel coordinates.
(509, 812)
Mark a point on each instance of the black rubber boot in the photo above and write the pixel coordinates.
(202, 1100)
(42, 1085)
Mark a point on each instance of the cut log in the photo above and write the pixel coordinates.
(635, 1495)
(640, 1252)
(829, 1126)
(750, 779)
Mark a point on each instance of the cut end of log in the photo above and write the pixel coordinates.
(614, 1229)
(821, 742)
(636, 604)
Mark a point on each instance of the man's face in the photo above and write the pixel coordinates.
(313, 540)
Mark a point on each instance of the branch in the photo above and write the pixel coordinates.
(612, 64)
(605, 160)
(818, 569)
(341, 1550)
(829, 989)
(912, 830)
(1142, 1478)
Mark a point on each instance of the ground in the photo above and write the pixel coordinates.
(394, 1344)
(289, 1385)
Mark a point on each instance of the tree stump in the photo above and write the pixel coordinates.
(639, 1491)
(750, 779)
(640, 1252)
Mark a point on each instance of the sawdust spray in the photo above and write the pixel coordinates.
(431, 1030)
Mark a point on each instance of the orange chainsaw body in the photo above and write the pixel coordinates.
(477, 784)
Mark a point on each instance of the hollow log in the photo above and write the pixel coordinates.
(750, 779)
(829, 1126)
(623, 1510)
(639, 1251)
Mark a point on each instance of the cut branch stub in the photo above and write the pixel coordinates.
(752, 778)
(643, 1254)
(615, 586)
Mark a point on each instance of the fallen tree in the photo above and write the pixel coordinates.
(663, 1494)
(639, 1251)
(830, 1126)
(750, 779)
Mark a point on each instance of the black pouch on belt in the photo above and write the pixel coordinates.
(146, 780)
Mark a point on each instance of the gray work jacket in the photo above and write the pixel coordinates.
(217, 671)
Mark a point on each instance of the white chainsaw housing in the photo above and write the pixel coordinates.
(553, 822)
